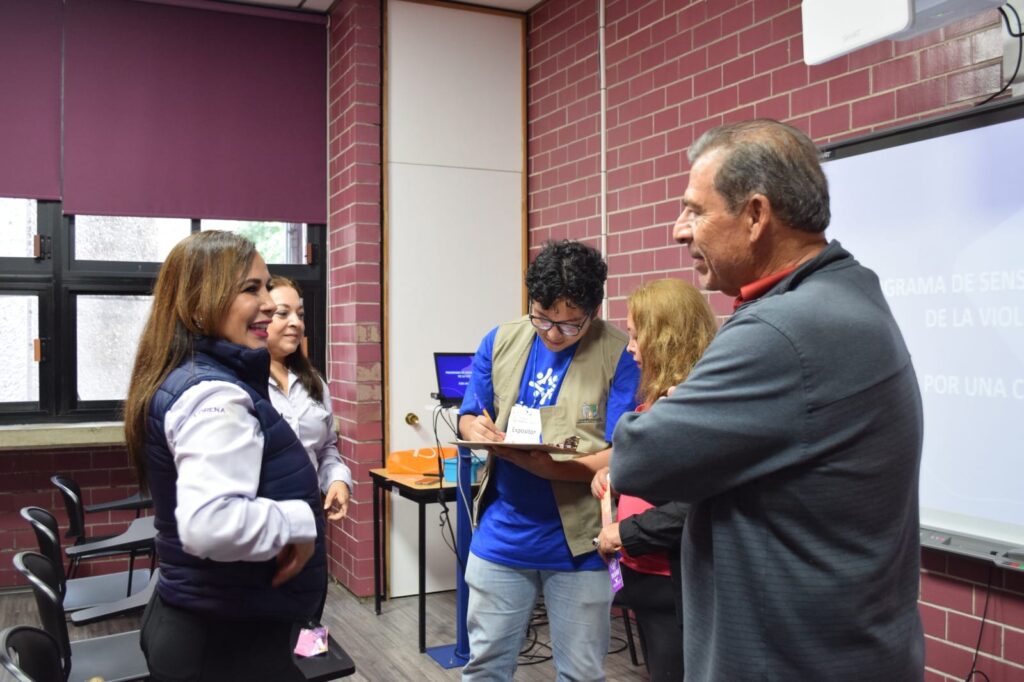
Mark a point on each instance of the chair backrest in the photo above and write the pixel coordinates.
(73, 504)
(42, 577)
(30, 655)
(48, 538)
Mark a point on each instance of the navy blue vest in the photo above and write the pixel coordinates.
(238, 589)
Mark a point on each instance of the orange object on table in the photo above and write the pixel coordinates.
(421, 461)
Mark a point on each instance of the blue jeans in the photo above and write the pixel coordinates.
(501, 600)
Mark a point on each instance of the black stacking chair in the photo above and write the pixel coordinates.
(75, 508)
(113, 657)
(30, 655)
(81, 593)
(73, 505)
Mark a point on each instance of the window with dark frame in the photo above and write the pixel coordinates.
(77, 290)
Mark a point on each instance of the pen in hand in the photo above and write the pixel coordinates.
(492, 427)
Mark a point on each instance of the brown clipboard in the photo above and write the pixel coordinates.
(543, 447)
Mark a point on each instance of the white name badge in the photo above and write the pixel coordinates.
(523, 425)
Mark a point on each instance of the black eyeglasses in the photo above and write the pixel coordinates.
(565, 328)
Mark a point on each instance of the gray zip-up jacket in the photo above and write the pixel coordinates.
(797, 439)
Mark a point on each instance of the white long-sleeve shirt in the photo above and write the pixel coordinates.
(314, 425)
(217, 444)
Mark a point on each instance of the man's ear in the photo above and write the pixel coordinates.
(758, 214)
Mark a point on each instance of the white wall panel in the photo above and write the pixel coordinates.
(455, 267)
(454, 184)
(455, 87)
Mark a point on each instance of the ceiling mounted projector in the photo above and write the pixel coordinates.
(834, 27)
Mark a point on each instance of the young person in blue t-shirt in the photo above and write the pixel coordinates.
(554, 374)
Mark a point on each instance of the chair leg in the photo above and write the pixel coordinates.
(629, 635)
(643, 642)
(131, 571)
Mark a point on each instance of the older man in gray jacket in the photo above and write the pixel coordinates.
(797, 437)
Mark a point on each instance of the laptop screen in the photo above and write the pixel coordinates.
(453, 372)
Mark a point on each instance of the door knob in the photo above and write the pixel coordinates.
(411, 419)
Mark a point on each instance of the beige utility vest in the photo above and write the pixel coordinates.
(581, 410)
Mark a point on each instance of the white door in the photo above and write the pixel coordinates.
(455, 224)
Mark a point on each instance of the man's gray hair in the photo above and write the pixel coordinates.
(766, 157)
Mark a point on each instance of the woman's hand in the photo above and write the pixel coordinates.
(600, 482)
(479, 427)
(290, 561)
(609, 542)
(336, 501)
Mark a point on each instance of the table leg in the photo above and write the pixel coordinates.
(464, 537)
(376, 547)
(423, 576)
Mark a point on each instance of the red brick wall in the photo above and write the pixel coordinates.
(676, 68)
(354, 279)
(562, 113)
(953, 591)
(103, 473)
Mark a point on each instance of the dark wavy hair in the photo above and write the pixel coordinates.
(569, 270)
(297, 361)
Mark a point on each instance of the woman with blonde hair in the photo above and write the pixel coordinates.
(670, 324)
(236, 503)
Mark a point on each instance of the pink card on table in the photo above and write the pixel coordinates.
(312, 641)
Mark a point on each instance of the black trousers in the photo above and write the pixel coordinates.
(186, 646)
(653, 600)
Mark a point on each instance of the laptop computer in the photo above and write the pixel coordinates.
(453, 371)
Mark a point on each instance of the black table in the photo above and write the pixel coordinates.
(422, 494)
(333, 664)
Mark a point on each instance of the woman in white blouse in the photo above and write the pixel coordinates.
(300, 394)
